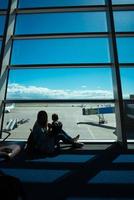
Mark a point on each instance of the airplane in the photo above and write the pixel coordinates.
(22, 121)
(9, 108)
(14, 123)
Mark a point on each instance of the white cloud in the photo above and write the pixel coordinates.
(33, 92)
(83, 86)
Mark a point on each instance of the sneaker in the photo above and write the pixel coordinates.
(78, 144)
(76, 138)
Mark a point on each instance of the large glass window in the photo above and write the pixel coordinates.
(82, 118)
(124, 21)
(56, 51)
(68, 67)
(61, 23)
(94, 121)
(54, 3)
(61, 83)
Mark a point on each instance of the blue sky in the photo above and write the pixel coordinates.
(70, 83)
(62, 78)
(61, 83)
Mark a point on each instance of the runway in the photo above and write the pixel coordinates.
(74, 122)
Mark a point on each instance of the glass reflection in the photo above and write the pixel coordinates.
(123, 1)
(64, 51)
(125, 50)
(55, 3)
(61, 23)
(124, 21)
(2, 24)
(3, 4)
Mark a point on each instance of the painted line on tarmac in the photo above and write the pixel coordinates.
(91, 133)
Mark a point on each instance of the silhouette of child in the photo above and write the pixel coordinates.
(59, 132)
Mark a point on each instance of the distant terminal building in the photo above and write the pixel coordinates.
(131, 96)
(129, 112)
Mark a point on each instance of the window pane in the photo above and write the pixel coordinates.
(123, 1)
(61, 23)
(2, 24)
(54, 3)
(129, 118)
(124, 21)
(3, 4)
(79, 83)
(56, 51)
(126, 50)
(71, 115)
(127, 83)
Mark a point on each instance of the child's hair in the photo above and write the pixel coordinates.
(55, 117)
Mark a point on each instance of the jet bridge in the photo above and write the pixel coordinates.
(99, 111)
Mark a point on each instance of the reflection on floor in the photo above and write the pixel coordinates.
(94, 172)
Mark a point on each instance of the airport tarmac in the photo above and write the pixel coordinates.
(74, 122)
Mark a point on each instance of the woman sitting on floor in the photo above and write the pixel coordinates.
(43, 139)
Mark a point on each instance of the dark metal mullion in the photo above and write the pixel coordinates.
(61, 101)
(120, 118)
(84, 65)
(6, 43)
(70, 65)
(123, 7)
(127, 65)
(11, 52)
(2, 54)
(3, 12)
(61, 35)
(4, 35)
(128, 7)
(125, 34)
(70, 35)
(60, 9)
